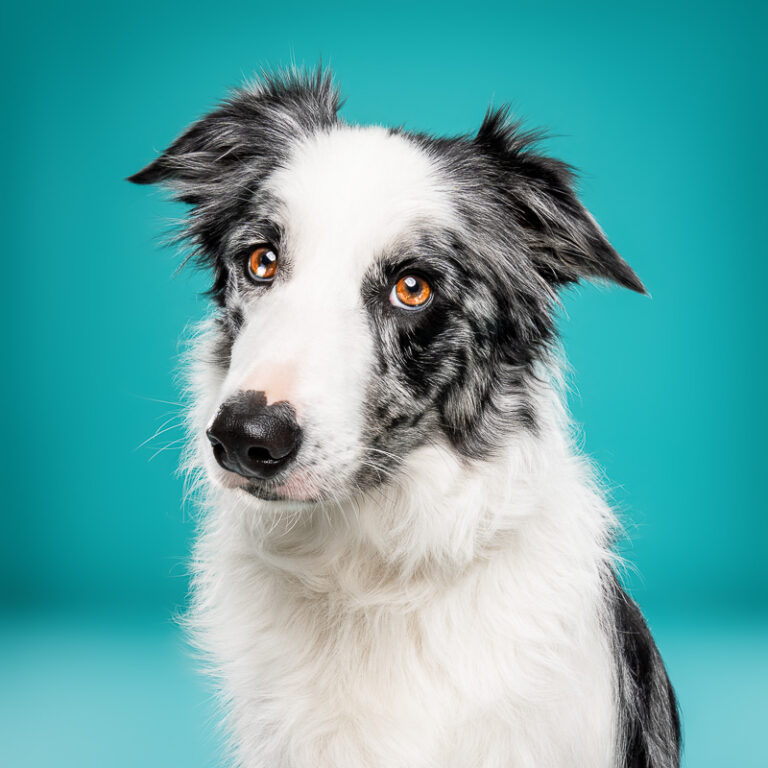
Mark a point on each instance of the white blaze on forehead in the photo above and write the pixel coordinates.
(351, 192)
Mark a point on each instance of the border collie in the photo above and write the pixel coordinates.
(404, 561)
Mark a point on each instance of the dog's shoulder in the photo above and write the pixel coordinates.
(648, 706)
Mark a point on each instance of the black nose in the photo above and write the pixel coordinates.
(252, 438)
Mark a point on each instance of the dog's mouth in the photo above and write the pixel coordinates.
(264, 494)
(280, 494)
(295, 486)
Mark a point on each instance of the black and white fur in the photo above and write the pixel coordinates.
(430, 582)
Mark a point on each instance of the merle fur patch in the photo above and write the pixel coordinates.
(650, 724)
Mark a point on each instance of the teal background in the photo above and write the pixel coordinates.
(663, 107)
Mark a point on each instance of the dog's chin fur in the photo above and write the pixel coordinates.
(429, 583)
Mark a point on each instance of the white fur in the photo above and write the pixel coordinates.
(449, 619)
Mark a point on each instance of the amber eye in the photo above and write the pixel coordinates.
(262, 264)
(410, 292)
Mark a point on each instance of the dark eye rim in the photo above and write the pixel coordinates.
(249, 273)
(405, 307)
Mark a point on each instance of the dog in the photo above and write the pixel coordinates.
(404, 562)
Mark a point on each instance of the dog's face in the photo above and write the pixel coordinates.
(377, 290)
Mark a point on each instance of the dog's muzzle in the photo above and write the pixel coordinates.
(254, 439)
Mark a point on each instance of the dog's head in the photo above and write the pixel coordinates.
(377, 290)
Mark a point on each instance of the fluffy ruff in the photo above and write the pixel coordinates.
(430, 584)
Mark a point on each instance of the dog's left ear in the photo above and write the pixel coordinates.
(565, 242)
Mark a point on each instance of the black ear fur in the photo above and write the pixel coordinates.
(192, 156)
(254, 123)
(565, 241)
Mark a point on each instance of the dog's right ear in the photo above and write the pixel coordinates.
(195, 156)
(254, 124)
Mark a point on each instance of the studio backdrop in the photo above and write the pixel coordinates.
(661, 106)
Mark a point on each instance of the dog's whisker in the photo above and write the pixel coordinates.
(167, 447)
(161, 430)
(158, 400)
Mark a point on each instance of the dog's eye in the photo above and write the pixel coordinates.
(262, 264)
(410, 292)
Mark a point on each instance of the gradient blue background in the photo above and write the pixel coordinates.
(663, 107)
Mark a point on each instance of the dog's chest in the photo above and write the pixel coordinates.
(461, 680)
